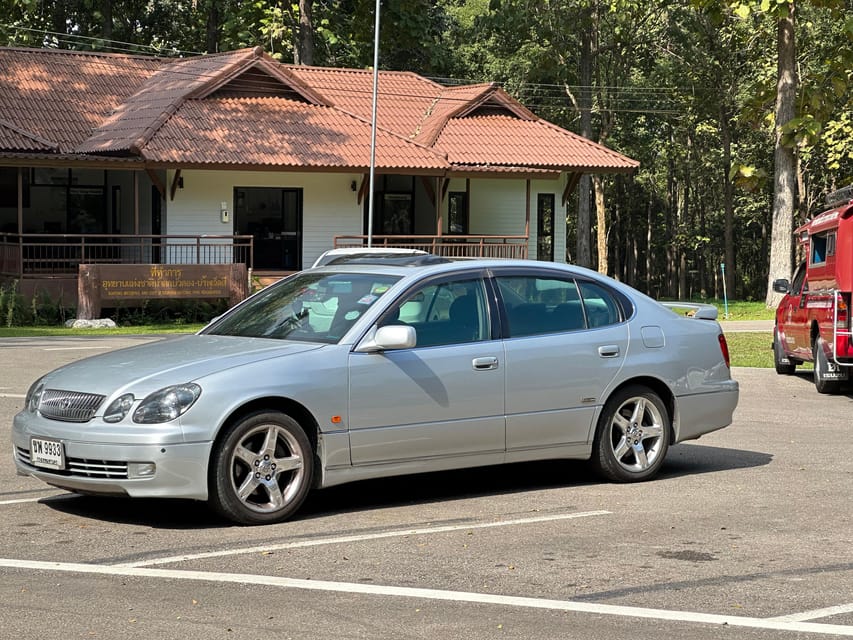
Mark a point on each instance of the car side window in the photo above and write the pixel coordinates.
(443, 313)
(537, 305)
(600, 305)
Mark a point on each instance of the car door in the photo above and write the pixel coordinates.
(565, 341)
(795, 315)
(441, 402)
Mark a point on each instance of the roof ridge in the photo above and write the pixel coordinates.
(486, 91)
(382, 72)
(77, 52)
(441, 155)
(28, 134)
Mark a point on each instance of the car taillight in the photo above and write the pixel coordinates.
(724, 347)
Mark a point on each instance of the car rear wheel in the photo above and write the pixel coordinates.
(821, 369)
(261, 470)
(632, 436)
(784, 366)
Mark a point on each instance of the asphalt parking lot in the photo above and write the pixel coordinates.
(747, 533)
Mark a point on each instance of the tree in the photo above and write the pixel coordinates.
(785, 162)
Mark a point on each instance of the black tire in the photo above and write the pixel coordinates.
(632, 435)
(821, 367)
(784, 365)
(261, 470)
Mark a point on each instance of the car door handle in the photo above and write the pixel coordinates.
(484, 364)
(608, 351)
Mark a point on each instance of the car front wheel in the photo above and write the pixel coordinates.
(632, 436)
(261, 470)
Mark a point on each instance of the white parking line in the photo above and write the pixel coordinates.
(362, 538)
(77, 348)
(437, 594)
(51, 498)
(13, 395)
(814, 614)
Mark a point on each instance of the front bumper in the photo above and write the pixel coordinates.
(162, 467)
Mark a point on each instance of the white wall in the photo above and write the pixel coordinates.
(498, 207)
(329, 206)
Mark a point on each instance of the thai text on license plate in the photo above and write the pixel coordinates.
(49, 454)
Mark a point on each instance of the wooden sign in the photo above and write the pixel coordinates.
(113, 285)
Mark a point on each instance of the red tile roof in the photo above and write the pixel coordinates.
(244, 109)
(282, 133)
(507, 140)
(61, 96)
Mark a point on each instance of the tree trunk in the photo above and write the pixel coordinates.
(649, 249)
(108, 20)
(304, 53)
(601, 222)
(211, 37)
(728, 203)
(784, 189)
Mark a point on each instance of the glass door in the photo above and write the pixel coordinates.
(274, 218)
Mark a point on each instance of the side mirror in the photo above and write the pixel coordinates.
(388, 338)
(781, 285)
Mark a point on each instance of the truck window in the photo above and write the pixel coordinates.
(818, 249)
(799, 276)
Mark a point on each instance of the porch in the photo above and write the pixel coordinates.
(49, 263)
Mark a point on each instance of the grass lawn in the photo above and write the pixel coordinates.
(750, 349)
(746, 349)
(27, 332)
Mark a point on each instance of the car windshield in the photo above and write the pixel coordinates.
(308, 307)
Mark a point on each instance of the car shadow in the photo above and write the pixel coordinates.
(682, 460)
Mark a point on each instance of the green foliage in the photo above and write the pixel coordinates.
(40, 310)
(165, 312)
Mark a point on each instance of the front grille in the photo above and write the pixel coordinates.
(69, 406)
(83, 467)
(109, 469)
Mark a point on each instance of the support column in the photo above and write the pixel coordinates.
(136, 203)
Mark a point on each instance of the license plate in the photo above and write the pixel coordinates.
(48, 454)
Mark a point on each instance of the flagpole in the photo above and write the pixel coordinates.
(373, 127)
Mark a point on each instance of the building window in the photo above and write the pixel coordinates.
(457, 213)
(9, 189)
(545, 226)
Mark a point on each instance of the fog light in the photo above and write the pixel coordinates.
(141, 469)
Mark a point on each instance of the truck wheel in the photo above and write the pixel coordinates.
(784, 366)
(821, 368)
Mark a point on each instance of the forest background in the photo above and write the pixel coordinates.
(690, 88)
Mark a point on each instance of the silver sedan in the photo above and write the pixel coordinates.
(359, 371)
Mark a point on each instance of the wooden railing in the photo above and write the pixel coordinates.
(37, 254)
(451, 246)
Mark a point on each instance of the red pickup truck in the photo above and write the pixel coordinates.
(813, 319)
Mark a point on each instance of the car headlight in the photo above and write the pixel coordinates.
(34, 396)
(119, 408)
(166, 404)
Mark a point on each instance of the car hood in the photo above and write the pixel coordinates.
(149, 367)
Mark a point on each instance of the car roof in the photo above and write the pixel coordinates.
(398, 259)
(350, 253)
(444, 265)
